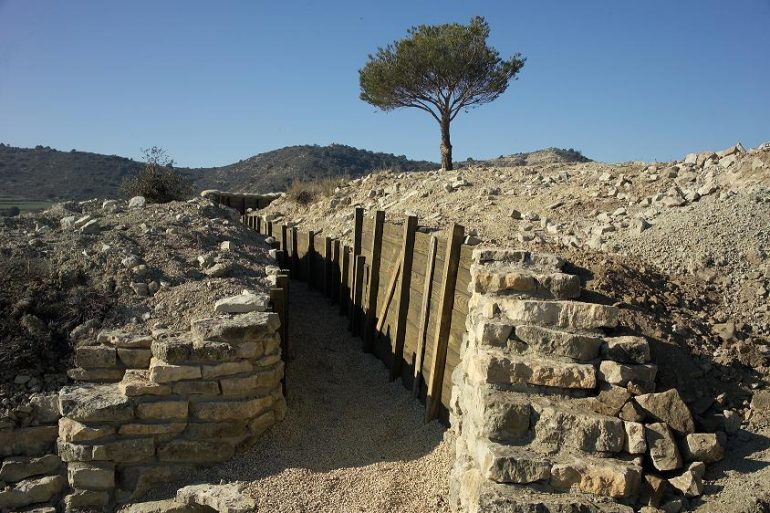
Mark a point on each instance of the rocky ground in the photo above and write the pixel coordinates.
(681, 246)
(77, 268)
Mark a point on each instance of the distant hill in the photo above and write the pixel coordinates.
(540, 158)
(276, 170)
(43, 173)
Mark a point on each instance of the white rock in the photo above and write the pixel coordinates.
(243, 303)
(137, 202)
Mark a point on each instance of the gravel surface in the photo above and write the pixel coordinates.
(351, 441)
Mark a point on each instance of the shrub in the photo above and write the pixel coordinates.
(158, 182)
(307, 192)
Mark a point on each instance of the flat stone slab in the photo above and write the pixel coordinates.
(497, 368)
(243, 303)
(247, 327)
(221, 498)
(559, 314)
(551, 342)
(95, 403)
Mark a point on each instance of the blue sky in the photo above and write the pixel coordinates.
(217, 81)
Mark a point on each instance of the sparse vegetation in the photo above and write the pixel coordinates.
(158, 182)
(308, 192)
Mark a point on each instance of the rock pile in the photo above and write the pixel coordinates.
(550, 407)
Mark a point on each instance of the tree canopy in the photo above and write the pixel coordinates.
(440, 69)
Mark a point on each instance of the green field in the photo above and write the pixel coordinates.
(25, 205)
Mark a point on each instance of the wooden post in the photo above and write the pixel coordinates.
(422, 331)
(327, 278)
(374, 281)
(358, 284)
(277, 298)
(310, 256)
(407, 254)
(334, 290)
(358, 230)
(294, 252)
(344, 279)
(285, 238)
(269, 228)
(444, 320)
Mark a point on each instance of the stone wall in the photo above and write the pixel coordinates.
(553, 412)
(31, 471)
(158, 406)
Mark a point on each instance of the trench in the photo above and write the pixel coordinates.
(352, 440)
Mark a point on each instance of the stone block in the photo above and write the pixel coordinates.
(74, 431)
(689, 483)
(598, 476)
(550, 342)
(29, 441)
(95, 403)
(31, 491)
(626, 375)
(137, 480)
(668, 407)
(225, 498)
(119, 338)
(258, 425)
(91, 476)
(164, 506)
(560, 314)
(136, 429)
(272, 345)
(508, 464)
(610, 400)
(249, 327)
(499, 369)
(124, 451)
(86, 500)
(635, 441)
(95, 375)
(493, 333)
(162, 410)
(266, 380)
(703, 447)
(626, 349)
(217, 411)
(197, 388)
(45, 407)
(137, 383)
(558, 427)
(217, 430)
(242, 303)
(496, 414)
(662, 447)
(250, 350)
(162, 372)
(226, 369)
(17, 468)
(183, 351)
(89, 357)
(134, 358)
(195, 451)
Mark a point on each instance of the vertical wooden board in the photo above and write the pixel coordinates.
(401, 309)
(358, 224)
(374, 277)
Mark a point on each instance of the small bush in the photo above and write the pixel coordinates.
(158, 182)
(306, 193)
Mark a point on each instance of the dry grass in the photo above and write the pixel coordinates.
(308, 192)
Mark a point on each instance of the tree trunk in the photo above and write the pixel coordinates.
(446, 144)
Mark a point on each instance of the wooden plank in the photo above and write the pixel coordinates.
(374, 281)
(389, 291)
(277, 299)
(356, 304)
(344, 292)
(422, 330)
(358, 227)
(334, 288)
(310, 256)
(327, 276)
(294, 252)
(285, 238)
(410, 228)
(444, 319)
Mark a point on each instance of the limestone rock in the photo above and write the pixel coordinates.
(635, 442)
(561, 314)
(703, 447)
(162, 372)
(162, 410)
(621, 374)
(137, 202)
(29, 441)
(163, 506)
(31, 491)
(493, 334)
(508, 464)
(688, 483)
(88, 476)
(217, 411)
(498, 415)
(597, 476)
(86, 500)
(559, 343)
(95, 403)
(498, 369)
(668, 407)
(662, 447)
(137, 383)
(18, 468)
(178, 351)
(243, 303)
(558, 427)
(74, 431)
(226, 369)
(221, 498)
(241, 328)
(134, 358)
(90, 357)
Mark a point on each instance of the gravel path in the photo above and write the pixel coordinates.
(351, 442)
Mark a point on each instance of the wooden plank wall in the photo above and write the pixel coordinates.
(312, 258)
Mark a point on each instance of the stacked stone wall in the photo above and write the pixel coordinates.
(553, 411)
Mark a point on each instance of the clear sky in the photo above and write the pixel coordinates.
(217, 81)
